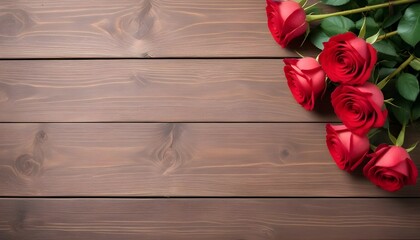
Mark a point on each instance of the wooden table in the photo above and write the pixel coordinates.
(168, 119)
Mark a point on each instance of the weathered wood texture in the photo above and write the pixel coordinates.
(247, 219)
(135, 28)
(179, 159)
(149, 90)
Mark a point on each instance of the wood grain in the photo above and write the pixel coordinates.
(178, 159)
(150, 90)
(246, 219)
(135, 28)
(79, 157)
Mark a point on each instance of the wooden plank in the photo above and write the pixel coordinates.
(178, 159)
(135, 28)
(149, 90)
(223, 219)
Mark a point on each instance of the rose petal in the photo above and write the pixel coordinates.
(360, 46)
(393, 158)
(376, 94)
(348, 59)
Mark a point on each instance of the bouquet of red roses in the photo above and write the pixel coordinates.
(374, 77)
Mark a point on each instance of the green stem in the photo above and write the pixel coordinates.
(384, 81)
(310, 18)
(386, 35)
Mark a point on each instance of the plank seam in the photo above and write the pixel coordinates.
(208, 197)
(143, 59)
(151, 122)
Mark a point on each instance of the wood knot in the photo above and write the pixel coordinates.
(146, 55)
(134, 28)
(13, 22)
(41, 137)
(172, 152)
(284, 153)
(27, 166)
(169, 160)
(30, 165)
(140, 23)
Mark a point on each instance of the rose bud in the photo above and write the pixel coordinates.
(390, 168)
(359, 107)
(306, 80)
(286, 21)
(347, 149)
(347, 59)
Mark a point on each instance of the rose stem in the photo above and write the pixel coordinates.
(310, 18)
(387, 35)
(384, 81)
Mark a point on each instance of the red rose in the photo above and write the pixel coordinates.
(347, 149)
(359, 107)
(306, 80)
(390, 168)
(348, 59)
(286, 20)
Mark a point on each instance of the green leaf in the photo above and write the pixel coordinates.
(408, 86)
(416, 51)
(362, 32)
(369, 22)
(393, 15)
(379, 14)
(374, 2)
(386, 125)
(384, 72)
(415, 64)
(388, 64)
(374, 76)
(373, 132)
(335, 2)
(399, 44)
(318, 37)
(412, 147)
(372, 26)
(372, 39)
(385, 47)
(391, 19)
(392, 138)
(415, 111)
(401, 110)
(401, 136)
(336, 25)
(313, 9)
(409, 26)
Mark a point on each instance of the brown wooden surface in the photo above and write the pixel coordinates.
(181, 159)
(246, 219)
(170, 127)
(149, 90)
(135, 28)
